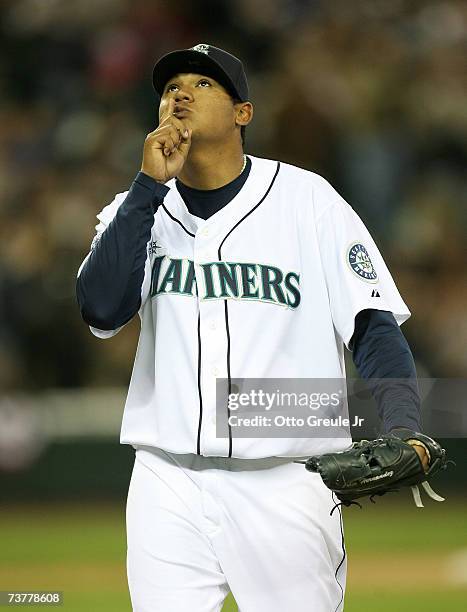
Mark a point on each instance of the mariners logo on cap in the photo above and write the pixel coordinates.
(202, 48)
(360, 263)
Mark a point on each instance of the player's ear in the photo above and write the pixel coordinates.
(243, 113)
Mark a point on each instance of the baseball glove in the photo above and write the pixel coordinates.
(380, 466)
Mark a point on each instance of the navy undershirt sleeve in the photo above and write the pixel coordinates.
(108, 288)
(381, 353)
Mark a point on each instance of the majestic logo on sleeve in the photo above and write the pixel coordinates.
(360, 263)
(225, 280)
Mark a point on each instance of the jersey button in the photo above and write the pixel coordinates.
(212, 325)
(205, 232)
(215, 371)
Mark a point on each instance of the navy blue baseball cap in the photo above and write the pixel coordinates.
(207, 60)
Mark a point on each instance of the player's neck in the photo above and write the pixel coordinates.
(212, 168)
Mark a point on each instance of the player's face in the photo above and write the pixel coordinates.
(203, 105)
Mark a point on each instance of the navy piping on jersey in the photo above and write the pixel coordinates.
(344, 554)
(219, 254)
(177, 221)
(200, 394)
(229, 378)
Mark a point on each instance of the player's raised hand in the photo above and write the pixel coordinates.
(166, 148)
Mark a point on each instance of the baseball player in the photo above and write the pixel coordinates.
(238, 267)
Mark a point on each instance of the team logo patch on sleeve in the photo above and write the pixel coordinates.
(360, 263)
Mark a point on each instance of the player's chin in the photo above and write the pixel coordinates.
(189, 123)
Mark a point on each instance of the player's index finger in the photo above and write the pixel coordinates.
(169, 110)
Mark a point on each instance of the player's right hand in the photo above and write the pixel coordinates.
(166, 148)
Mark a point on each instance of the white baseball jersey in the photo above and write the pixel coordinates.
(267, 287)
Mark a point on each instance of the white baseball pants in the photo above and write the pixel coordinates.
(198, 527)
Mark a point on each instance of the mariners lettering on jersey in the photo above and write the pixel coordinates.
(225, 280)
(360, 263)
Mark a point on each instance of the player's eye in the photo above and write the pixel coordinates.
(172, 87)
(204, 83)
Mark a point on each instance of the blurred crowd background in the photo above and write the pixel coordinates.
(371, 94)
